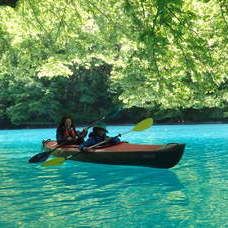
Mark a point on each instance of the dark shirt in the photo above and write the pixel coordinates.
(94, 139)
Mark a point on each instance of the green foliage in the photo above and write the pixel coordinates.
(82, 57)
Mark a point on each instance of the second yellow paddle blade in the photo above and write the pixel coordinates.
(55, 161)
(144, 124)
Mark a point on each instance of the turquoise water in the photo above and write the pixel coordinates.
(76, 194)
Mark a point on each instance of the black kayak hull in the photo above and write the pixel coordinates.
(157, 156)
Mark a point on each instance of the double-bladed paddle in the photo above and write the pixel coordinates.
(105, 117)
(43, 156)
(142, 125)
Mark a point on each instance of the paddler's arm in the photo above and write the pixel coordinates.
(89, 142)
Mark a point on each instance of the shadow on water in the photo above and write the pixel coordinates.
(80, 177)
(108, 182)
(121, 190)
(70, 173)
(104, 175)
(90, 192)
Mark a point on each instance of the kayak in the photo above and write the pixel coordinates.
(123, 153)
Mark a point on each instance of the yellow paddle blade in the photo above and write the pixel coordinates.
(144, 124)
(55, 161)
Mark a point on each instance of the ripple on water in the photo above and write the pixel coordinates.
(193, 194)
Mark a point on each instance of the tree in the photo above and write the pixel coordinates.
(155, 55)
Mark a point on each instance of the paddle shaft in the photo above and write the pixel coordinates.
(91, 125)
(100, 143)
(142, 125)
(61, 144)
(93, 122)
(102, 118)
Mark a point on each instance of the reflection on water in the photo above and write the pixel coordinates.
(193, 194)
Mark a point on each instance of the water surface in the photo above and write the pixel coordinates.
(76, 194)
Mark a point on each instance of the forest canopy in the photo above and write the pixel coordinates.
(166, 59)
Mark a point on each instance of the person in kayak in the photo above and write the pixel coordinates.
(67, 134)
(96, 136)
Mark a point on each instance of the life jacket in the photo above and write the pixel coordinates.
(70, 133)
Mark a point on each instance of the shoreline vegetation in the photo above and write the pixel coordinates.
(124, 117)
(159, 59)
(121, 117)
(47, 126)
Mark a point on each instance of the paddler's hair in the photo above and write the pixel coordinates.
(63, 120)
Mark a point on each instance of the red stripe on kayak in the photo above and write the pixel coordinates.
(121, 147)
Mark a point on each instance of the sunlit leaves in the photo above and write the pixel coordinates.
(169, 54)
(53, 68)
